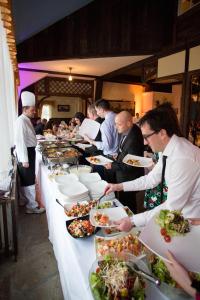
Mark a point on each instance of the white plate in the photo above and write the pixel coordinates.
(73, 190)
(80, 169)
(185, 248)
(144, 162)
(114, 214)
(64, 179)
(91, 177)
(102, 160)
(97, 188)
(90, 128)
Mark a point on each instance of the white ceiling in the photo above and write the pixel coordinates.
(92, 66)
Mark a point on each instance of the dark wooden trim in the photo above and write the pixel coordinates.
(58, 73)
(185, 101)
(98, 91)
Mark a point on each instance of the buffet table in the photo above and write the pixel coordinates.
(74, 256)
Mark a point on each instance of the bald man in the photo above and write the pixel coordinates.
(131, 143)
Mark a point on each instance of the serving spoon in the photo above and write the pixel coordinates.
(60, 203)
(137, 270)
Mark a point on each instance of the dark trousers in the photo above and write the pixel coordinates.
(27, 175)
(128, 199)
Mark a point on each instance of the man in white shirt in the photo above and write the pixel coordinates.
(25, 142)
(182, 174)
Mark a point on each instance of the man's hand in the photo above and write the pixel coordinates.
(25, 164)
(124, 224)
(108, 166)
(195, 221)
(113, 188)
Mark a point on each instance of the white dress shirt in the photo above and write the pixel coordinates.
(24, 137)
(109, 135)
(182, 176)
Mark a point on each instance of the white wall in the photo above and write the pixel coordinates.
(75, 103)
(126, 92)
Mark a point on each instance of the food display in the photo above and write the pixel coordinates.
(102, 219)
(172, 223)
(60, 155)
(80, 209)
(133, 162)
(114, 279)
(125, 242)
(160, 270)
(80, 228)
(94, 160)
(105, 204)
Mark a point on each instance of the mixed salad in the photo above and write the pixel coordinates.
(80, 209)
(115, 280)
(105, 204)
(160, 270)
(102, 219)
(118, 244)
(81, 228)
(172, 223)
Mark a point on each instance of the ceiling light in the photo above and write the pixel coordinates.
(70, 74)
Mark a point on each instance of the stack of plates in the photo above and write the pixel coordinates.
(65, 179)
(89, 178)
(73, 191)
(97, 189)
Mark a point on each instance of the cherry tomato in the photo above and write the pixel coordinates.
(167, 238)
(97, 270)
(163, 231)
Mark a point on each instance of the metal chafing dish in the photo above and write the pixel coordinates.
(60, 155)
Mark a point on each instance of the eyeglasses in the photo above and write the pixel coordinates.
(146, 136)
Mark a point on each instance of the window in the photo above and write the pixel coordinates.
(46, 111)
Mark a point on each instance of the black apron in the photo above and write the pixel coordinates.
(27, 175)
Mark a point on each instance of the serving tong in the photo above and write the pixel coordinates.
(142, 273)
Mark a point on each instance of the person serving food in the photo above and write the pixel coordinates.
(182, 172)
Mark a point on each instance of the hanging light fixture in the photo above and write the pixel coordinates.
(70, 74)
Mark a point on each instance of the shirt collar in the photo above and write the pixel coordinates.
(171, 145)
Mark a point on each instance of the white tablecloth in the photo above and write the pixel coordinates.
(74, 256)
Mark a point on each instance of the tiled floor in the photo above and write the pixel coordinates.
(35, 274)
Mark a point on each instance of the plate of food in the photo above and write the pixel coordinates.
(78, 209)
(80, 227)
(169, 230)
(124, 241)
(98, 160)
(138, 161)
(112, 277)
(106, 217)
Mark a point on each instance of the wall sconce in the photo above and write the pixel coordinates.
(70, 74)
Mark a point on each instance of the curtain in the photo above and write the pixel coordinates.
(7, 102)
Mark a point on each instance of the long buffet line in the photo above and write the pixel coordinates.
(95, 260)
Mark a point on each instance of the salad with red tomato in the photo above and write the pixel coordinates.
(172, 223)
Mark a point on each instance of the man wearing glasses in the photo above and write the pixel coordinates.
(161, 132)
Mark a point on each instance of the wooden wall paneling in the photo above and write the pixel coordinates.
(104, 28)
